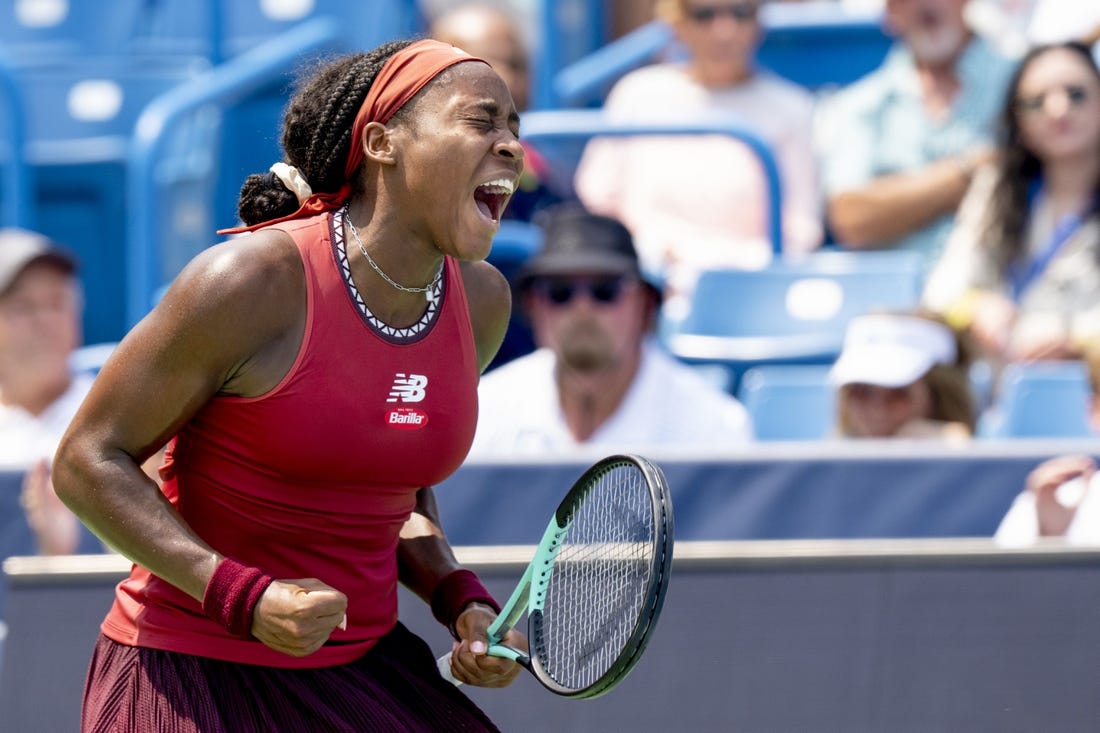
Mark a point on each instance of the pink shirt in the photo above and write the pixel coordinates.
(315, 478)
(694, 202)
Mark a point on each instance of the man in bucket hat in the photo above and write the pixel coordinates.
(598, 378)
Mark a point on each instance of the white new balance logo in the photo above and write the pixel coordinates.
(408, 387)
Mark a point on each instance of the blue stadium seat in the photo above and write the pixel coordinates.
(79, 114)
(53, 28)
(222, 29)
(513, 244)
(822, 44)
(247, 23)
(84, 110)
(1047, 399)
(793, 312)
(789, 402)
(815, 44)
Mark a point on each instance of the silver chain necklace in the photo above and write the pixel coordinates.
(431, 290)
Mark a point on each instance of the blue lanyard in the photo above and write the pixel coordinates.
(1023, 274)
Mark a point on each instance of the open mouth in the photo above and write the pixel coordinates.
(492, 197)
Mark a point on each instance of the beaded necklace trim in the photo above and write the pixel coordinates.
(391, 333)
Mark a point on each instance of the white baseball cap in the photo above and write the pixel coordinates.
(889, 350)
(19, 249)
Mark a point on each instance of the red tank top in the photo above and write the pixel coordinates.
(316, 477)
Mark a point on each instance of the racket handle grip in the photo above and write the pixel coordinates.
(443, 664)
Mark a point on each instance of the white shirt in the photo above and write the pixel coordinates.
(669, 404)
(694, 202)
(1020, 526)
(1064, 299)
(1054, 21)
(26, 438)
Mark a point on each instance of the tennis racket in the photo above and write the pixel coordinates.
(594, 590)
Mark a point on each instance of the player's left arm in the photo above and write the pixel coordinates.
(424, 558)
(490, 299)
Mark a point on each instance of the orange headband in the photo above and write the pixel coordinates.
(401, 77)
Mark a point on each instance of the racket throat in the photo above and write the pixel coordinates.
(507, 652)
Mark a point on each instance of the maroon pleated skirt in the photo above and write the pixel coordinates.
(394, 687)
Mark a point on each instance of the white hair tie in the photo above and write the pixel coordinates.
(293, 179)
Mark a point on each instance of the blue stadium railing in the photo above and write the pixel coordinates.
(587, 80)
(223, 85)
(545, 128)
(53, 28)
(15, 176)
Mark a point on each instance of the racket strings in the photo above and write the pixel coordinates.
(600, 580)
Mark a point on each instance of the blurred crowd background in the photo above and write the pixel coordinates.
(740, 221)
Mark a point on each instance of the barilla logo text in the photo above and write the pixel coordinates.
(406, 418)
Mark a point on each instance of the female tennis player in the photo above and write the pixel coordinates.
(314, 377)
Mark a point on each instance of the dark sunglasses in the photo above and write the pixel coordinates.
(1076, 94)
(603, 290)
(707, 13)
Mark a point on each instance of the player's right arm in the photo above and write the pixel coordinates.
(231, 323)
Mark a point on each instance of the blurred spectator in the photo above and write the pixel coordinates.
(488, 31)
(1056, 21)
(696, 202)
(599, 379)
(1004, 23)
(1061, 497)
(1017, 25)
(899, 146)
(1022, 266)
(40, 315)
(903, 375)
(628, 15)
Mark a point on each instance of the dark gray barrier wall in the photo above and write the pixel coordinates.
(849, 489)
(16, 537)
(763, 636)
(766, 491)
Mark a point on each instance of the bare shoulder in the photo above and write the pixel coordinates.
(490, 297)
(485, 281)
(238, 307)
(248, 278)
(257, 260)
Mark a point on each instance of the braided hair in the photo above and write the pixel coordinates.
(316, 133)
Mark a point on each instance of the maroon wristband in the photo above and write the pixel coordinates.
(454, 592)
(232, 594)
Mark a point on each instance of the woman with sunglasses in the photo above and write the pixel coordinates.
(1021, 269)
(695, 202)
(597, 380)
